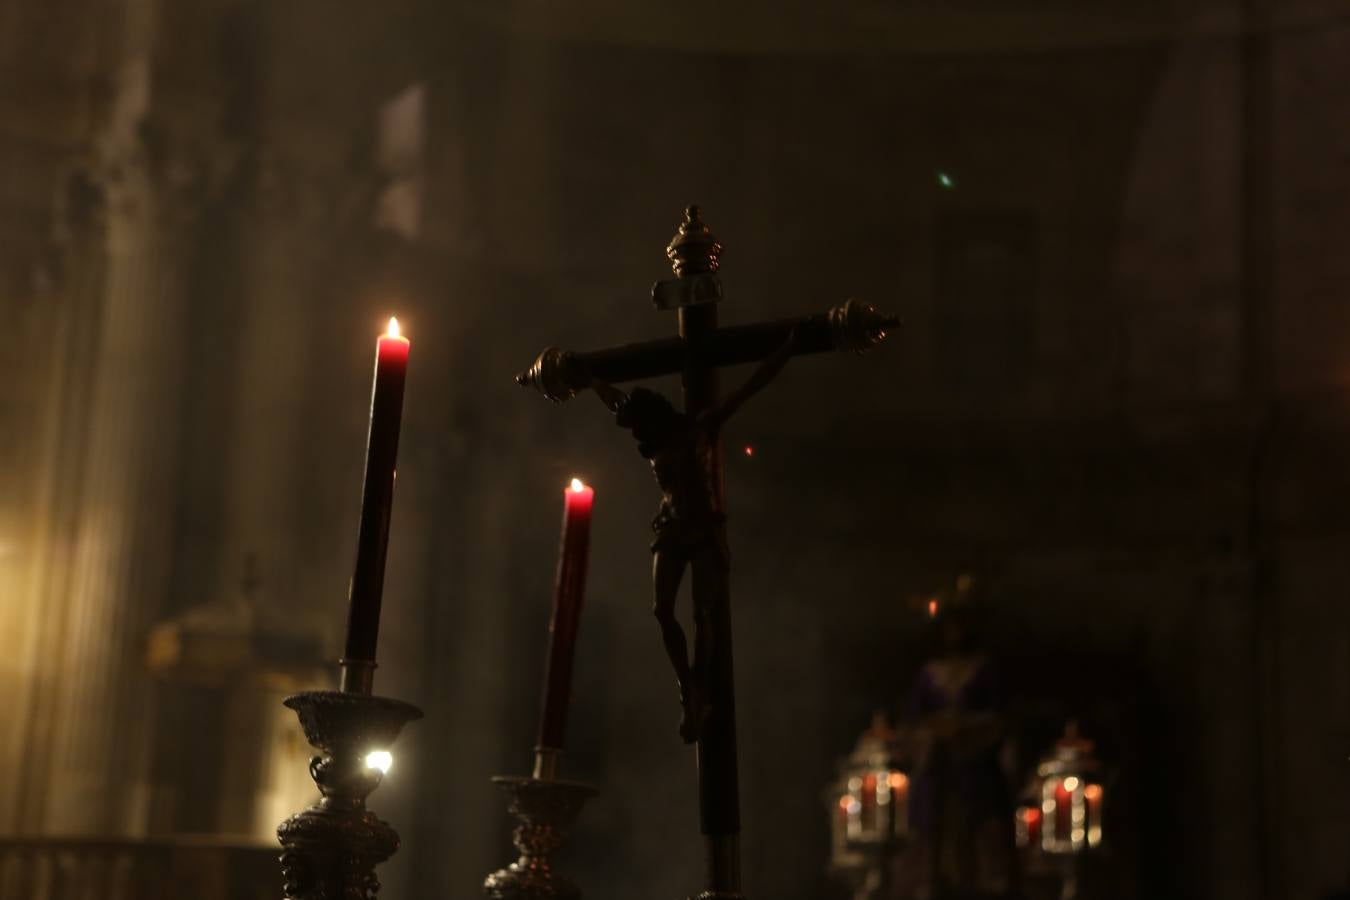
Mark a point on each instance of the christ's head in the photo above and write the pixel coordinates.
(652, 418)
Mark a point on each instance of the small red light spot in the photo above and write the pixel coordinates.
(749, 451)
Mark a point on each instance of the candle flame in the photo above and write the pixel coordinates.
(393, 327)
(932, 609)
(577, 486)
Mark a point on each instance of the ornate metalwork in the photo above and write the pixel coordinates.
(546, 810)
(694, 250)
(330, 851)
(555, 374)
(693, 253)
(859, 326)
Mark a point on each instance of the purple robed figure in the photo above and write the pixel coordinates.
(960, 804)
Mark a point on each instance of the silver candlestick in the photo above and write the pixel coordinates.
(546, 809)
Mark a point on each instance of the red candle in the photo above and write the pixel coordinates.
(869, 801)
(377, 502)
(567, 603)
(1031, 821)
(1063, 812)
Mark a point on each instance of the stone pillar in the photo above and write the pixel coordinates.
(122, 545)
(73, 328)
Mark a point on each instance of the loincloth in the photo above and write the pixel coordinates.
(688, 536)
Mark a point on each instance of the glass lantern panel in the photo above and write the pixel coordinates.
(854, 809)
(1064, 814)
(1092, 800)
(899, 786)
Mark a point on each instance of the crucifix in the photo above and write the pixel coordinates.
(685, 453)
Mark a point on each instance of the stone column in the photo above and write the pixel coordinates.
(122, 543)
(73, 323)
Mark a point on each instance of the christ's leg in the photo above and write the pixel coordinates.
(668, 567)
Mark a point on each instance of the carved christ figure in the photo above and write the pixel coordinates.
(690, 524)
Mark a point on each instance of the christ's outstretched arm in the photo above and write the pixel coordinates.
(758, 380)
(609, 395)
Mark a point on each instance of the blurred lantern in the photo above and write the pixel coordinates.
(869, 810)
(1070, 797)
(1061, 813)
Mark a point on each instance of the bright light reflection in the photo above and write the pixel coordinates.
(379, 759)
(577, 486)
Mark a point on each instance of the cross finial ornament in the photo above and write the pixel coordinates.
(684, 451)
(693, 253)
(693, 249)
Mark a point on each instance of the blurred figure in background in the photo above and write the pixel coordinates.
(960, 803)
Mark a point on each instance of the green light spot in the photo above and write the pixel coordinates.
(946, 180)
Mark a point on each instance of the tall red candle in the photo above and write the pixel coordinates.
(1063, 812)
(377, 503)
(567, 602)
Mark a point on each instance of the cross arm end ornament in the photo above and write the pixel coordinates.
(856, 326)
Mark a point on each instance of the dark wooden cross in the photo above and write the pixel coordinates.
(690, 451)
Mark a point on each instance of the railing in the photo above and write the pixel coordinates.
(53, 868)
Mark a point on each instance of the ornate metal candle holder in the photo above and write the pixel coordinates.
(546, 809)
(330, 850)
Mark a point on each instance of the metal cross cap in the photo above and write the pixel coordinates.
(697, 353)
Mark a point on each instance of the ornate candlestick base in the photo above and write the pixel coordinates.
(546, 810)
(329, 851)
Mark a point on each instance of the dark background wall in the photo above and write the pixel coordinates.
(1119, 396)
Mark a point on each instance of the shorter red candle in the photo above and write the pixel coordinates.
(567, 603)
(1031, 818)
